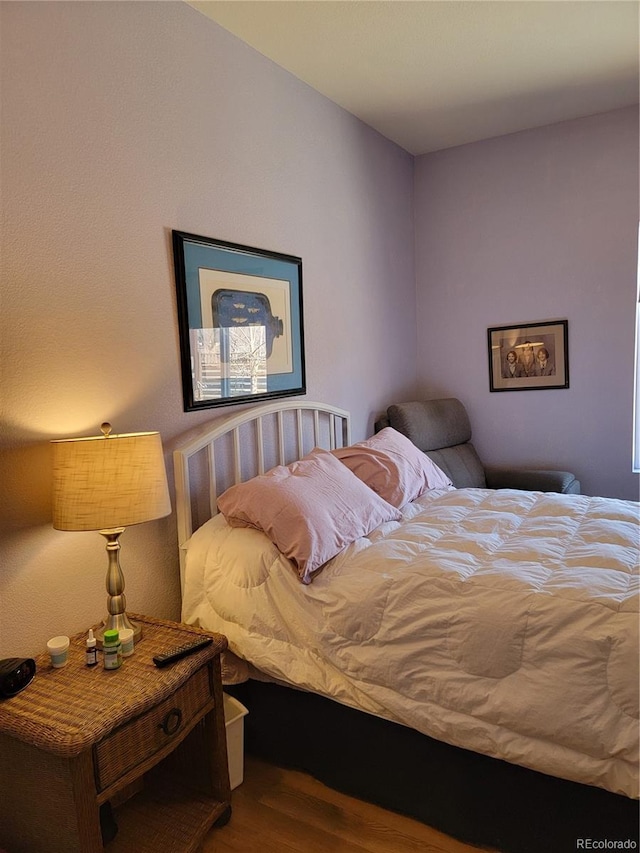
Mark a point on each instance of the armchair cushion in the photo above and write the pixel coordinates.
(432, 424)
(534, 481)
(461, 464)
(441, 429)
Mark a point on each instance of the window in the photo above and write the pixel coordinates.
(636, 395)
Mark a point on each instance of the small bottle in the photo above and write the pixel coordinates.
(91, 652)
(111, 649)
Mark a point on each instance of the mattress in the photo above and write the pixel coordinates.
(503, 622)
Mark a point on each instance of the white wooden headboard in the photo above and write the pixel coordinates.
(248, 443)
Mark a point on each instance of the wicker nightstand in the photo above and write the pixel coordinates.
(150, 742)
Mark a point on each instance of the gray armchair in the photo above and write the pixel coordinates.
(441, 429)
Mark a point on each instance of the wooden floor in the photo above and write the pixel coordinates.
(283, 811)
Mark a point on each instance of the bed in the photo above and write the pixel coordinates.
(468, 657)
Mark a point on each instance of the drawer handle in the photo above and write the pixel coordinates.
(172, 721)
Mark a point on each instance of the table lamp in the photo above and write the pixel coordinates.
(106, 483)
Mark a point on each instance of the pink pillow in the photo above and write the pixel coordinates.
(311, 510)
(391, 465)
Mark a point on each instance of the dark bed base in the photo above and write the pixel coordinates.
(479, 800)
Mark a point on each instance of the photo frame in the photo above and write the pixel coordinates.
(529, 356)
(240, 322)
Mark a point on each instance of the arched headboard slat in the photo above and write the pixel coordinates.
(229, 445)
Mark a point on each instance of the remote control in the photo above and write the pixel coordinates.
(181, 652)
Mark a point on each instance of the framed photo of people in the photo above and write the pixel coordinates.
(529, 357)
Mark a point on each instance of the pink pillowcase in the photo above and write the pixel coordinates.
(311, 510)
(391, 465)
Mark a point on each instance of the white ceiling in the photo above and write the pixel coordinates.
(431, 74)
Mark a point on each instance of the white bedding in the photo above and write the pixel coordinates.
(499, 621)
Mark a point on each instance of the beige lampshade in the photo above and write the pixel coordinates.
(109, 481)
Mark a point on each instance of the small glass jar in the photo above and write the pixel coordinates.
(111, 649)
(91, 650)
(126, 639)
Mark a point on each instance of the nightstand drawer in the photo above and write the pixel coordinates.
(137, 741)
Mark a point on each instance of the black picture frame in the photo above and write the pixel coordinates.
(240, 322)
(517, 359)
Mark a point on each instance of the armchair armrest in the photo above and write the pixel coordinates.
(531, 480)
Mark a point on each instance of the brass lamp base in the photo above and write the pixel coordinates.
(116, 602)
(118, 623)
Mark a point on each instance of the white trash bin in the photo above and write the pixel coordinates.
(234, 714)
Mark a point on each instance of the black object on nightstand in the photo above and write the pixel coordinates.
(15, 675)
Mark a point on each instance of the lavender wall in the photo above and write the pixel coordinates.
(524, 228)
(120, 122)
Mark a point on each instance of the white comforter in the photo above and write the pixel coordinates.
(500, 621)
